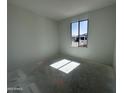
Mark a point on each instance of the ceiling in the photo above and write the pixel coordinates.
(61, 9)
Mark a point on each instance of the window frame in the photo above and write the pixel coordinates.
(79, 31)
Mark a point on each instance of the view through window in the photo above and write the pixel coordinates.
(79, 33)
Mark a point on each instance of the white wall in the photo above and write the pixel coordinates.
(101, 36)
(29, 37)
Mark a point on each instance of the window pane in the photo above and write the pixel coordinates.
(83, 33)
(74, 31)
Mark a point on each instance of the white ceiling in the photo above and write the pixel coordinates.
(60, 9)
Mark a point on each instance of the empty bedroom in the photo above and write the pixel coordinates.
(61, 46)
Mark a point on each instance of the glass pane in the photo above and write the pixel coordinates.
(83, 33)
(74, 31)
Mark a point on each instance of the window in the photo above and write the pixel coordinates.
(79, 33)
(65, 65)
